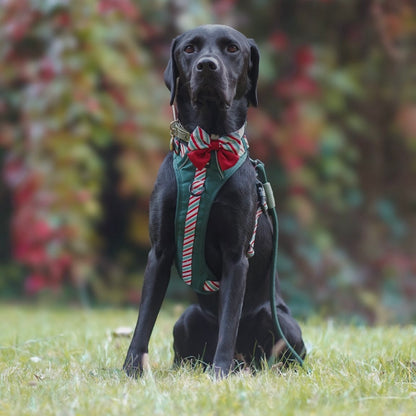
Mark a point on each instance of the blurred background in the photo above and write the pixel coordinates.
(84, 126)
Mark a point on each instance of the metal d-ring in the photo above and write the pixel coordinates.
(200, 190)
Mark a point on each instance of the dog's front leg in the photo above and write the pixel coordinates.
(156, 281)
(233, 284)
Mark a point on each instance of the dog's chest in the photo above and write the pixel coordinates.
(196, 193)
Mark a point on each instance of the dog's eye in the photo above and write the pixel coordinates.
(232, 48)
(189, 49)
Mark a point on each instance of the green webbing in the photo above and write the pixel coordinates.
(261, 172)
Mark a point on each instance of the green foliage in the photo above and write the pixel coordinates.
(83, 87)
(84, 128)
(335, 125)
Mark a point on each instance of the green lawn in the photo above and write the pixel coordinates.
(67, 362)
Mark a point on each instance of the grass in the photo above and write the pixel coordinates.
(66, 362)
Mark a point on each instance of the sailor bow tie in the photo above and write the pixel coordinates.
(229, 148)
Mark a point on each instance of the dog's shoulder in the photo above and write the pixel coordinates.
(164, 191)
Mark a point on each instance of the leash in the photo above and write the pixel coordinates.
(271, 207)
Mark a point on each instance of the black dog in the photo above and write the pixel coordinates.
(212, 74)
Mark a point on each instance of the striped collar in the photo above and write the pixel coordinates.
(199, 145)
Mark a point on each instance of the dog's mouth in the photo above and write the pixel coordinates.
(209, 95)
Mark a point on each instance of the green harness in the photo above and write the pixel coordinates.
(202, 280)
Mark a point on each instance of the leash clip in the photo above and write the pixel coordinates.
(176, 128)
(261, 195)
(178, 131)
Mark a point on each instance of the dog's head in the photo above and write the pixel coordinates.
(213, 64)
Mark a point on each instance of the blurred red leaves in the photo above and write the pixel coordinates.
(126, 7)
(86, 115)
(279, 41)
(73, 86)
(223, 7)
(304, 58)
(341, 125)
(297, 86)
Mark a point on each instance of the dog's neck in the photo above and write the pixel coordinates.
(212, 118)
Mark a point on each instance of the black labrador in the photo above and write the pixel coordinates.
(212, 74)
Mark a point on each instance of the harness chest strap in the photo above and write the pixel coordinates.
(199, 179)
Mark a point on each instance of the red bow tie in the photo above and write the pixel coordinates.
(228, 148)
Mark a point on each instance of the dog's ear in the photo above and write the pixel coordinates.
(171, 72)
(253, 72)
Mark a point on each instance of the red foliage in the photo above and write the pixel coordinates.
(33, 236)
(305, 144)
(62, 19)
(304, 57)
(34, 283)
(18, 28)
(33, 239)
(126, 7)
(279, 41)
(292, 162)
(297, 86)
(51, 131)
(129, 127)
(222, 7)
(47, 70)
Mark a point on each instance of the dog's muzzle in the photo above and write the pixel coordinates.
(209, 82)
(207, 64)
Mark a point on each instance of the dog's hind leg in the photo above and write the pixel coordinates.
(258, 339)
(256, 336)
(292, 333)
(195, 337)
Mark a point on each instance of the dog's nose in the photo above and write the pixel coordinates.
(207, 64)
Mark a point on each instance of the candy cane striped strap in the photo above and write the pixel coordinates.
(196, 191)
(250, 251)
(178, 147)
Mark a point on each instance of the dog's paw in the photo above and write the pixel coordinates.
(135, 364)
(219, 371)
(131, 370)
